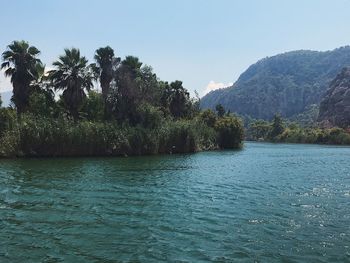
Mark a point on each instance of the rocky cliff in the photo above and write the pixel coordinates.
(335, 106)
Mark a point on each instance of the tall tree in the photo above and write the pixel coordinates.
(220, 110)
(149, 86)
(72, 75)
(21, 62)
(133, 63)
(277, 126)
(127, 93)
(106, 64)
(179, 100)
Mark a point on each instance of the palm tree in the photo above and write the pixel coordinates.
(179, 99)
(126, 77)
(127, 93)
(105, 68)
(133, 63)
(72, 75)
(21, 62)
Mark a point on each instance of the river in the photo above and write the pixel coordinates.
(265, 203)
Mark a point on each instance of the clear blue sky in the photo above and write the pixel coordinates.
(196, 41)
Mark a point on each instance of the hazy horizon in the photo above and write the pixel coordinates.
(206, 45)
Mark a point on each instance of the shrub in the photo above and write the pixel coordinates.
(208, 117)
(178, 137)
(32, 135)
(7, 119)
(10, 143)
(230, 132)
(149, 116)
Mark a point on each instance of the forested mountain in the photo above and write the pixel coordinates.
(288, 84)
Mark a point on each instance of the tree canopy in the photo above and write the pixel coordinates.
(21, 65)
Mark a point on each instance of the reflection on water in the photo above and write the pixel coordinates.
(267, 203)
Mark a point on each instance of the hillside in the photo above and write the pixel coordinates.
(288, 83)
(335, 106)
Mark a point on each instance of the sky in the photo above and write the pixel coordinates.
(205, 43)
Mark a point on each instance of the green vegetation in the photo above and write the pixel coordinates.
(229, 132)
(59, 113)
(280, 131)
(22, 65)
(308, 118)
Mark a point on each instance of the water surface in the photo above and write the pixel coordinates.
(265, 203)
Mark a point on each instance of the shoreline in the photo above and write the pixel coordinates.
(121, 156)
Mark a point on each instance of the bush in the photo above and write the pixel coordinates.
(93, 107)
(42, 103)
(62, 137)
(338, 136)
(230, 132)
(7, 119)
(142, 141)
(10, 144)
(33, 136)
(149, 116)
(208, 117)
(178, 137)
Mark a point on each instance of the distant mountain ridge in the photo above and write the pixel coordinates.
(287, 83)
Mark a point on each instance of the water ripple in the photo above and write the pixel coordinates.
(266, 203)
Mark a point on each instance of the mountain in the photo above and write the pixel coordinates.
(288, 84)
(335, 106)
(6, 98)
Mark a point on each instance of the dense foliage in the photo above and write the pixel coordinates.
(22, 66)
(135, 114)
(281, 131)
(288, 83)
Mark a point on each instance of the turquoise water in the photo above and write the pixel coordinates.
(265, 203)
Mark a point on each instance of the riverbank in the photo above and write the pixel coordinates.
(332, 136)
(281, 131)
(31, 136)
(135, 113)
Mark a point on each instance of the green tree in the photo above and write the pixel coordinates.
(133, 63)
(209, 117)
(73, 76)
(277, 126)
(230, 132)
(126, 94)
(150, 89)
(21, 62)
(7, 119)
(41, 103)
(179, 100)
(93, 106)
(220, 110)
(259, 129)
(165, 96)
(106, 64)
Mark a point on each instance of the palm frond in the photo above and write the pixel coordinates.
(10, 72)
(33, 51)
(5, 64)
